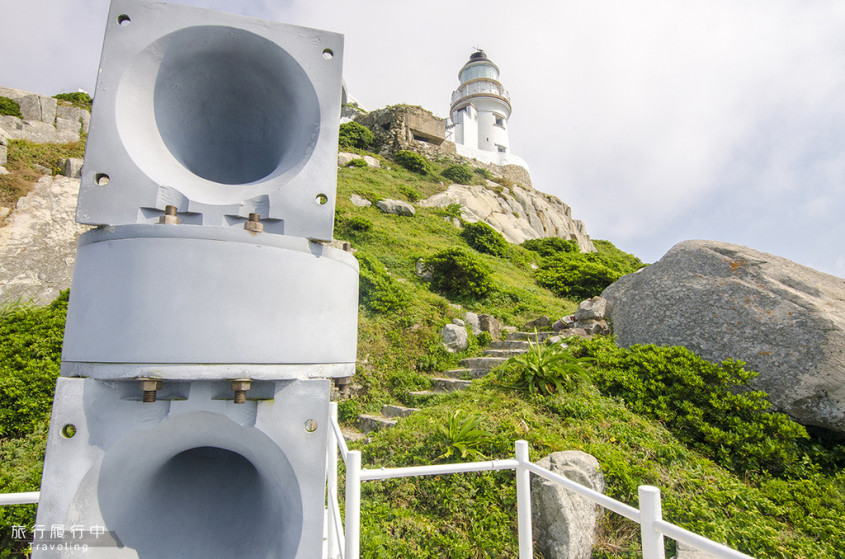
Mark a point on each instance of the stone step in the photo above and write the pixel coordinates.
(506, 353)
(485, 364)
(423, 397)
(391, 410)
(530, 336)
(352, 435)
(368, 423)
(449, 384)
(509, 344)
(463, 374)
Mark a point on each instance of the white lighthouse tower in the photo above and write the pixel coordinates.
(480, 111)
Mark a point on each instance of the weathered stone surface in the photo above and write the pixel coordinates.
(3, 170)
(539, 322)
(396, 207)
(454, 337)
(472, 319)
(80, 118)
(4, 211)
(490, 324)
(565, 523)
(73, 167)
(38, 242)
(359, 201)
(390, 410)
(722, 301)
(343, 158)
(372, 161)
(517, 213)
(35, 131)
(422, 271)
(591, 309)
(3, 154)
(459, 322)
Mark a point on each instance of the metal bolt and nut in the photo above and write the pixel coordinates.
(254, 224)
(170, 217)
(240, 386)
(150, 386)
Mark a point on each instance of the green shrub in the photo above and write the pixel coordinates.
(9, 107)
(30, 354)
(358, 163)
(462, 434)
(412, 161)
(411, 193)
(484, 238)
(615, 259)
(456, 272)
(484, 339)
(483, 172)
(545, 369)
(460, 174)
(352, 226)
(452, 210)
(378, 291)
(574, 275)
(549, 246)
(354, 135)
(709, 407)
(77, 98)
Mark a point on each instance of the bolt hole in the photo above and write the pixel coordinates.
(328, 54)
(123, 19)
(311, 425)
(68, 431)
(102, 179)
(321, 199)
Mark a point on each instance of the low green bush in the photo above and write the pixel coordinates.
(574, 275)
(545, 369)
(549, 246)
(457, 272)
(460, 174)
(378, 291)
(411, 193)
(483, 172)
(710, 407)
(354, 135)
(412, 161)
(9, 107)
(358, 163)
(484, 238)
(77, 98)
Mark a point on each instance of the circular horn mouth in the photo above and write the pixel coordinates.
(172, 491)
(219, 104)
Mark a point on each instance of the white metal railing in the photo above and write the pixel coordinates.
(344, 542)
(649, 516)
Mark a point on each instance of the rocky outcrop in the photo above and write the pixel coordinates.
(565, 523)
(396, 207)
(454, 337)
(44, 120)
(38, 242)
(517, 213)
(786, 321)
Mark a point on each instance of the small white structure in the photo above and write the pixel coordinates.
(479, 113)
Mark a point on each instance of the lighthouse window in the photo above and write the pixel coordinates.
(501, 149)
(500, 121)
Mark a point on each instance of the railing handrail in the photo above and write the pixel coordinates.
(27, 498)
(649, 516)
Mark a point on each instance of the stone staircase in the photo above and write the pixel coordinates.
(497, 353)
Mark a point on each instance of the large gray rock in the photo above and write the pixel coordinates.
(490, 324)
(565, 523)
(38, 242)
(591, 309)
(517, 213)
(396, 207)
(722, 301)
(454, 337)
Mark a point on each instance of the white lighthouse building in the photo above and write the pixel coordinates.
(479, 113)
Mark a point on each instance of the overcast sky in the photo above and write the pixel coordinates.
(657, 121)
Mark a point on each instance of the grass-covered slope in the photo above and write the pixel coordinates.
(727, 467)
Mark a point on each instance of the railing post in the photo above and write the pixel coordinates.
(331, 484)
(650, 510)
(523, 502)
(352, 524)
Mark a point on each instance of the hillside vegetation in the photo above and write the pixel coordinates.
(727, 467)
